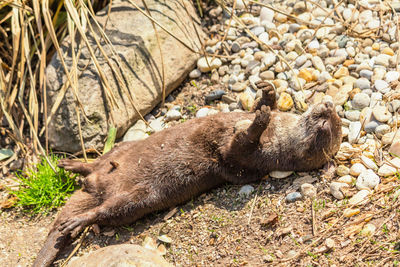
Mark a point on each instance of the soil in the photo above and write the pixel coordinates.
(222, 228)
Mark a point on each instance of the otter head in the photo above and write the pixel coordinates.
(323, 134)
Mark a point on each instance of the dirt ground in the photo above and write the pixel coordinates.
(222, 228)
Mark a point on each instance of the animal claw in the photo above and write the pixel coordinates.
(73, 226)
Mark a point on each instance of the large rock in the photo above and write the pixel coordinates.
(124, 255)
(133, 38)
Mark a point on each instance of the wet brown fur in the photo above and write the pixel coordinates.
(174, 165)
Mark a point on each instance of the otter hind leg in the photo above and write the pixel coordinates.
(75, 166)
(268, 97)
(79, 202)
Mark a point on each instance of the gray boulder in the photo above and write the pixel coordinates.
(124, 255)
(133, 38)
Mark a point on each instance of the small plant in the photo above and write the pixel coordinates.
(41, 189)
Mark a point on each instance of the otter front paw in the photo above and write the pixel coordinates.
(262, 117)
(268, 97)
(259, 124)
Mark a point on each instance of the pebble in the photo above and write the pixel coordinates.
(280, 174)
(235, 47)
(214, 95)
(308, 190)
(354, 131)
(335, 189)
(382, 60)
(367, 180)
(359, 198)
(238, 87)
(369, 163)
(392, 76)
(386, 170)
(213, 64)
(246, 100)
(266, 14)
(352, 115)
(362, 83)
(371, 126)
(173, 115)
(246, 190)
(203, 112)
(292, 197)
(356, 169)
(347, 179)
(194, 74)
(395, 162)
(368, 230)
(381, 86)
(360, 101)
(350, 212)
(381, 113)
(342, 170)
(341, 72)
(382, 130)
(285, 102)
(136, 132)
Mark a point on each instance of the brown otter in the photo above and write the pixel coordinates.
(176, 164)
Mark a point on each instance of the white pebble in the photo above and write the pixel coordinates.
(357, 169)
(359, 198)
(369, 163)
(367, 180)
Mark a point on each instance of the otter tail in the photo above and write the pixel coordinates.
(54, 243)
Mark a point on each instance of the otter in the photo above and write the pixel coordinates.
(174, 165)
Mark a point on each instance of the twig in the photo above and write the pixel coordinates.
(161, 54)
(252, 208)
(314, 227)
(76, 247)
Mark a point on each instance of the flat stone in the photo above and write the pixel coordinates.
(280, 174)
(135, 40)
(120, 255)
